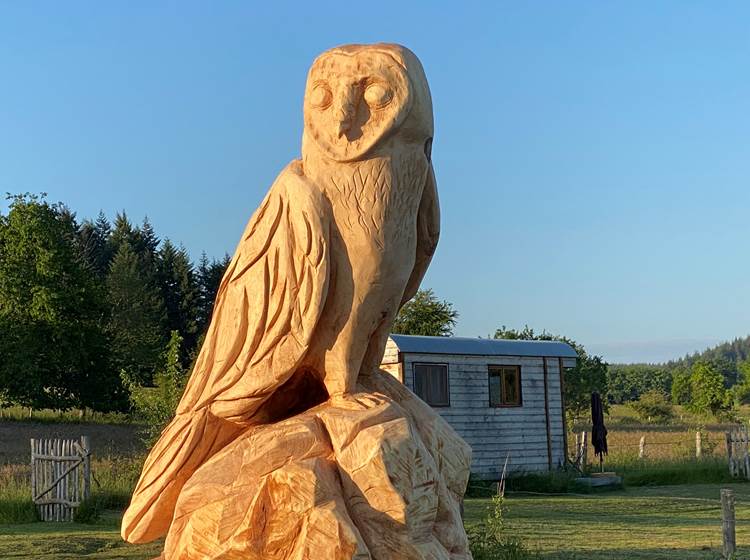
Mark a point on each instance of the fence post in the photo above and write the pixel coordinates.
(86, 467)
(642, 447)
(584, 448)
(698, 445)
(728, 436)
(33, 468)
(727, 522)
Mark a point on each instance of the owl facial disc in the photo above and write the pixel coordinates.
(354, 98)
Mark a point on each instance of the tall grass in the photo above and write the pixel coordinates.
(15, 495)
(48, 416)
(112, 484)
(667, 472)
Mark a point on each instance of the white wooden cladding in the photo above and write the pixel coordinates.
(60, 476)
(495, 432)
(737, 452)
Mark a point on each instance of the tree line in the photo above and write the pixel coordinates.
(710, 382)
(88, 306)
(93, 311)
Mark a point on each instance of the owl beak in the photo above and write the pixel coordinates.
(345, 124)
(346, 110)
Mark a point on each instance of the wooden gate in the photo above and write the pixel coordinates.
(737, 453)
(60, 476)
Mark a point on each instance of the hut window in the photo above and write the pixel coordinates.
(505, 385)
(431, 383)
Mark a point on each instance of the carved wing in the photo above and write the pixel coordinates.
(428, 233)
(268, 303)
(266, 310)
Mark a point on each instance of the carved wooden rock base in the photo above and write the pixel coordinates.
(373, 475)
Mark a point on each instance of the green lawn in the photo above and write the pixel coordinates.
(657, 523)
(69, 541)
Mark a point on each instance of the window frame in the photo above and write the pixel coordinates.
(519, 385)
(447, 381)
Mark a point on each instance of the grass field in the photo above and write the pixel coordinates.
(650, 523)
(656, 523)
(669, 509)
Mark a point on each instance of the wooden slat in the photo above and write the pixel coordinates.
(62, 458)
(56, 474)
(64, 482)
(86, 467)
(60, 475)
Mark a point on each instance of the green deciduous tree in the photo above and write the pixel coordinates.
(742, 389)
(708, 395)
(680, 386)
(627, 382)
(53, 348)
(426, 315)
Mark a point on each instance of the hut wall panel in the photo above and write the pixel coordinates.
(493, 433)
(555, 409)
(390, 356)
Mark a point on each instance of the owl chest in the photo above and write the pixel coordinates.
(375, 205)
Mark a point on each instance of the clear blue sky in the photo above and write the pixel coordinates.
(593, 159)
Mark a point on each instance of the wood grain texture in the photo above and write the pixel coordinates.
(289, 443)
(353, 478)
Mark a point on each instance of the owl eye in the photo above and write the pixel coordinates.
(377, 95)
(321, 96)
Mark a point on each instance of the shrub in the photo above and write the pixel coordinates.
(653, 407)
(156, 405)
(554, 482)
(488, 540)
(480, 488)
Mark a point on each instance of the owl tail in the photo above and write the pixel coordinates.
(185, 444)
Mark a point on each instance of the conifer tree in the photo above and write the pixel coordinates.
(180, 290)
(210, 274)
(94, 242)
(137, 317)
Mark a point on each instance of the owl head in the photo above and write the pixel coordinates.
(359, 95)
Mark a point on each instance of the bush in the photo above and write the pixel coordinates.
(156, 405)
(653, 407)
(555, 482)
(480, 488)
(488, 541)
(89, 511)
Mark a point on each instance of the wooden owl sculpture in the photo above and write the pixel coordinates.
(302, 316)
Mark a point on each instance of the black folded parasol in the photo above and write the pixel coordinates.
(598, 429)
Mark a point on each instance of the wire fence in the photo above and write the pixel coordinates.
(652, 444)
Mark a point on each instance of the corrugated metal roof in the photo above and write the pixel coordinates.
(482, 346)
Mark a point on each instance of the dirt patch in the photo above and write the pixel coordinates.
(106, 440)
